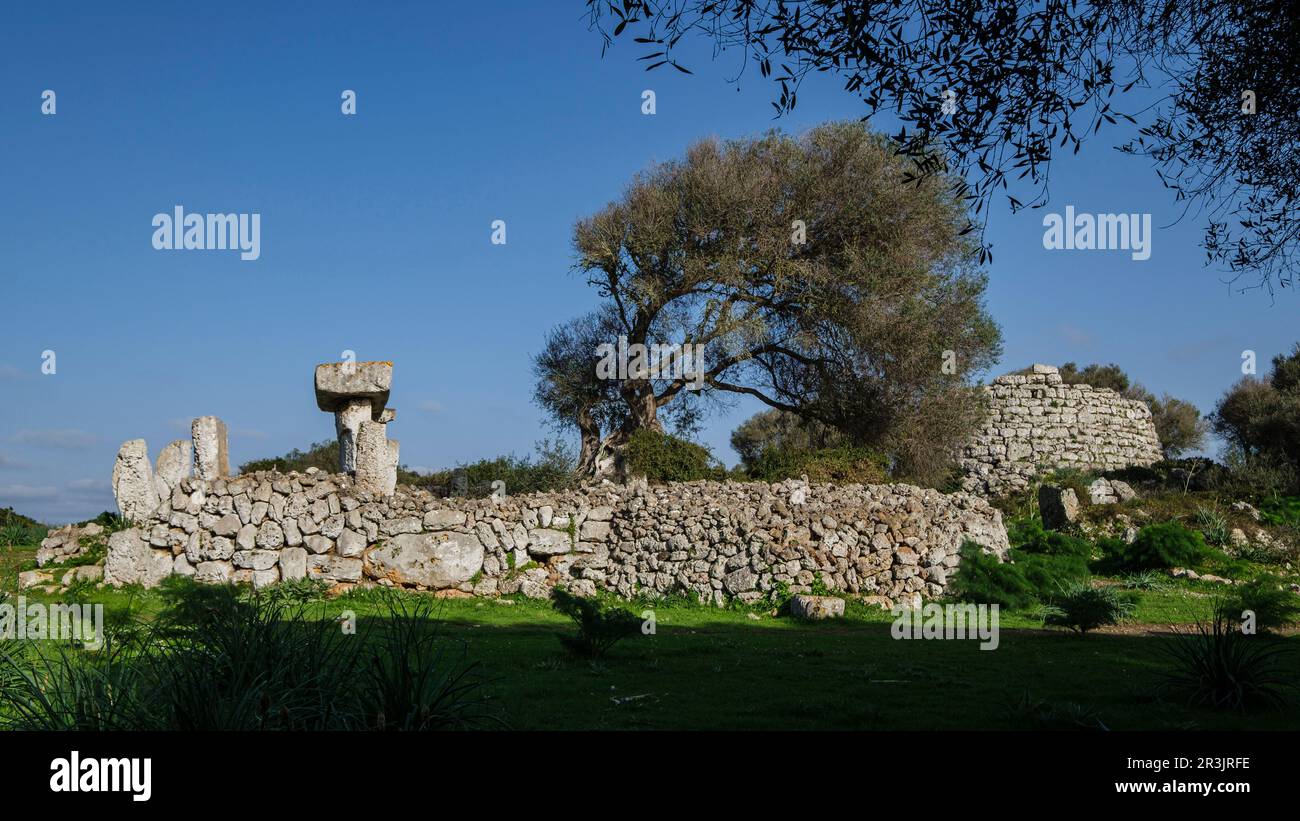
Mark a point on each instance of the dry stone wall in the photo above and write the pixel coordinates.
(713, 541)
(1036, 422)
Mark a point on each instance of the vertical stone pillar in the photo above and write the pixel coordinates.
(175, 462)
(211, 452)
(377, 459)
(347, 421)
(133, 482)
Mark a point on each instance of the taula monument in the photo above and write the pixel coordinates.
(714, 541)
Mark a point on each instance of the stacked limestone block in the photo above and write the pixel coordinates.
(713, 541)
(1036, 422)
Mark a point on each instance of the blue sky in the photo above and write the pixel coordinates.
(376, 228)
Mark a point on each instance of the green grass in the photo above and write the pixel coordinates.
(725, 669)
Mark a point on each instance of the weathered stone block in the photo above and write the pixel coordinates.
(433, 560)
(133, 482)
(211, 448)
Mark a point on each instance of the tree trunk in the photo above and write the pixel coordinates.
(608, 460)
(590, 432)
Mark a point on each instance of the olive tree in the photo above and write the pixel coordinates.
(811, 273)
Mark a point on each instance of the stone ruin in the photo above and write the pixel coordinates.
(355, 392)
(1036, 422)
(713, 541)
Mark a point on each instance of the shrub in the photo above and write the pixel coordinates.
(1082, 607)
(552, 469)
(781, 431)
(1268, 598)
(1213, 524)
(601, 621)
(1280, 510)
(17, 530)
(840, 465)
(412, 684)
(1166, 544)
(1220, 667)
(982, 579)
(320, 455)
(1178, 424)
(1029, 536)
(1146, 580)
(662, 457)
(1048, 574)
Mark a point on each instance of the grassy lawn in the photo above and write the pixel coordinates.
(707, 668)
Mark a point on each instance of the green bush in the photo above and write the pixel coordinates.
(602, 622)
(1029, 536)
(1048, 573)
(1082, 607)
(662, 457)
(1167, 544)
(1213, 525)
(982, 579)
(1280, 510)
(18, 530)
(552, 469)
(838, 465)
(1268, 598)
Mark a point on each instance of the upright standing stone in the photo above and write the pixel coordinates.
(133, 482)
(347, 421)
(211, 454)
(377, 459)
(1059, 507)
(175, 463)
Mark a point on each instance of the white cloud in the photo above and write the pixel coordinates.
(12, 464)
(8, 373)
(60, 439)
(27, 492)
(429, 406)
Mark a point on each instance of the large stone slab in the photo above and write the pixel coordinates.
(131, 560)
(433, 560)
(817, 608)
(133, 482)
(211, 449)
(338, 383)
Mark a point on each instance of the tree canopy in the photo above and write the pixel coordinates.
(811, 273)
(1003, 85)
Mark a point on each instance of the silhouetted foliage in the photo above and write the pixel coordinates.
(1003, 86)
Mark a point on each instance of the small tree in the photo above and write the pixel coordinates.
(1261, 417)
